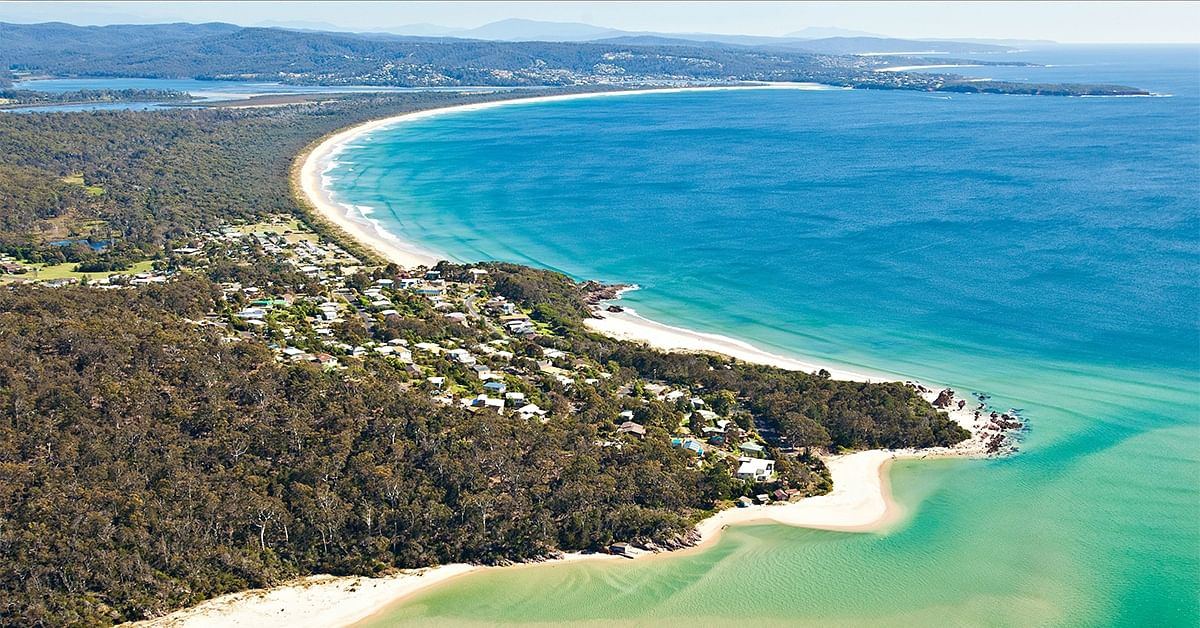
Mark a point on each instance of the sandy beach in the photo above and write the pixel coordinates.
(324, 601)
(860, 500)
(629, 325)
(312, 602)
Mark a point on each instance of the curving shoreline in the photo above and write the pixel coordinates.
(859, 502)
(629, 325)
(310, 175)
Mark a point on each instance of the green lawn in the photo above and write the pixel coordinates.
(77, 179)
(63, 271)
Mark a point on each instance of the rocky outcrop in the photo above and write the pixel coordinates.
(944, 399)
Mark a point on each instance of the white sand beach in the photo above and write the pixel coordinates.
(629, 325)
(860, 500)
(324, 601)
(313, 602)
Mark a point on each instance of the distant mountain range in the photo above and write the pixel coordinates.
(819, 39)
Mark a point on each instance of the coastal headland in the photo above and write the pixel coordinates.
(859, 502)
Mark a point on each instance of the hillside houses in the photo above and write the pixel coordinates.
(453, 339)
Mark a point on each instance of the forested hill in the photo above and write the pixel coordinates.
(224, 51)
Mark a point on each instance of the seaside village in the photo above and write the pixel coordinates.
(509, 366)
(359, 314)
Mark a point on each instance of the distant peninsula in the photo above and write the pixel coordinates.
(229, 52)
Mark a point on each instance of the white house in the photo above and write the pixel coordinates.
(530, 410)
(520, 327)
(757, 469)
(461, 356)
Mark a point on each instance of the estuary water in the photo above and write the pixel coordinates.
(204, 91)
(1044, 250)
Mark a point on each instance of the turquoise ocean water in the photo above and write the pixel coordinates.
(1044, 250)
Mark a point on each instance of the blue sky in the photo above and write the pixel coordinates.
(1072, 22)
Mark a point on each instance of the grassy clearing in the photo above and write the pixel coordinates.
(77, 179)
(44, 272)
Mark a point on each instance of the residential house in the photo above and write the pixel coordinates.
(629, 427)
(751, 448)
(757, 469)
(531, 410)
(461, 356)
(689, 444)
(252, 313)
(520, 327)
(327, 361)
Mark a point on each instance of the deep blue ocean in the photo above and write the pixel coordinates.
(1045, 250)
